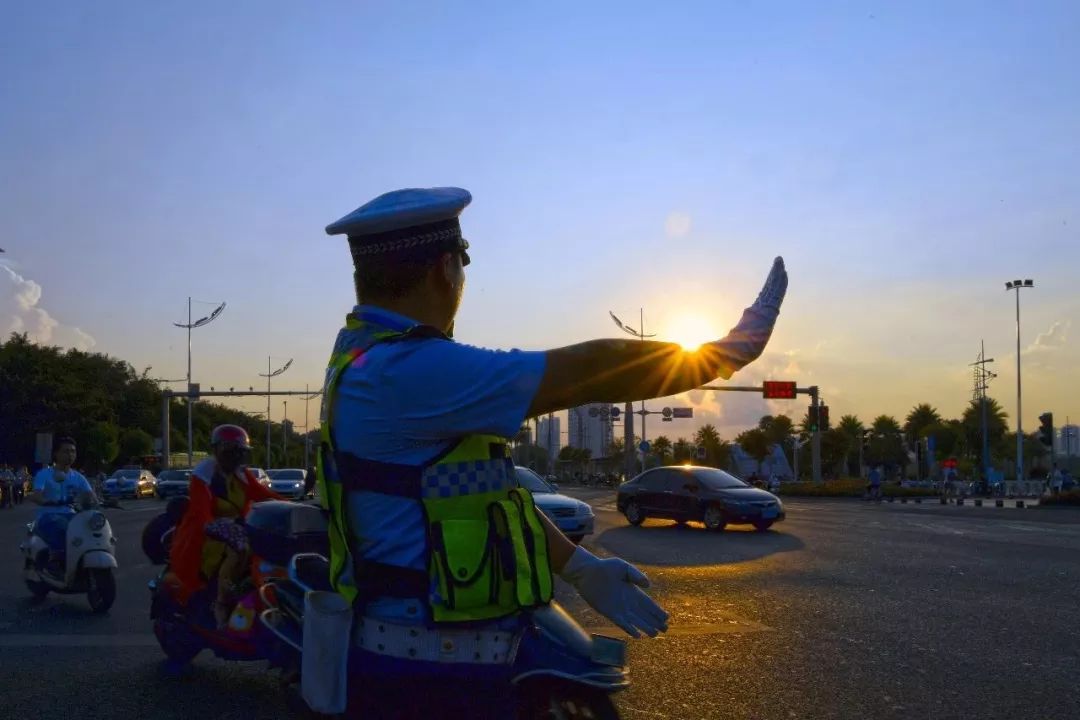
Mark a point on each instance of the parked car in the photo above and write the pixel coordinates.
(172, 483)
(132, 483)
(573, 517)
(288, 482)
(708, 495)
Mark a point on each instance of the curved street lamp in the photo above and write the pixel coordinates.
(271, 374)
(189, 326)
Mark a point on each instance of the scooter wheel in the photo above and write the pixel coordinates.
(552, 699)
(101, 592)
(38, 589)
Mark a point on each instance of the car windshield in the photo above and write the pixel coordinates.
(286, 474)
(532, 482)
(126, 474)
(175, 475)
(717, 479)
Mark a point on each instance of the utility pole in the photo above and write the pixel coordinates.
(1016, 285)
(815, 440)
(628, 424)
(284, 430)
(982, 381)
(271, 374)
(189, 326)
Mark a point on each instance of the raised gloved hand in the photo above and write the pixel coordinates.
(613, 587)
(748, 339)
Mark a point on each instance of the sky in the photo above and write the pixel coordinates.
(906, 159)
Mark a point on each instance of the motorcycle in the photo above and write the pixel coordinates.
(554, 668)
(89, 560)
(276, 531)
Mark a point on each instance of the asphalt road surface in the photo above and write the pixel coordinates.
(846, 610)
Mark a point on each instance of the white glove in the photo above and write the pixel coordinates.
(613, 588)
(748, 339)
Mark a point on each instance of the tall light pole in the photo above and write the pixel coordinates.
(284, 429)
(628, 423)
(1016, 285)
(271, 374)
(307, 430)
(189, 326)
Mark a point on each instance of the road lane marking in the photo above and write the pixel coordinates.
(120, 640)
(693, 629)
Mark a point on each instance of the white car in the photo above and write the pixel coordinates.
(573, 517)
(261, 476)
(288, 482)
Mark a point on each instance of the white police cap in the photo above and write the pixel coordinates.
(400, 209)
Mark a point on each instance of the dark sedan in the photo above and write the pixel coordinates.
(171, 483)
(708, 495)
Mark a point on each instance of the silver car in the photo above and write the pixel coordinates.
(573, 517)
(288, 482)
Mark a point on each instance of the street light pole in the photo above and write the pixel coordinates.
(628, 423)
(189, 326)
(271, 374)
(284, 429)
(1016, 285)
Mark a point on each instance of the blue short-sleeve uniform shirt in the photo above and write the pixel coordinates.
(406, 402)
(64, 490)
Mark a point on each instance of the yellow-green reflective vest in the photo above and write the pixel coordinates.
(486, 551)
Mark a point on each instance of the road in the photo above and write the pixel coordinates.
(845, 610)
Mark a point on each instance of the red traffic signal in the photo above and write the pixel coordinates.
(778, 390)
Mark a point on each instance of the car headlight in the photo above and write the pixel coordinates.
(585, 509)
(97, 521)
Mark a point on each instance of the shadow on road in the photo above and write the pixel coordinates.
(663, 543)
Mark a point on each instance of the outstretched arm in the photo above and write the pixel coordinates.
(623, 370)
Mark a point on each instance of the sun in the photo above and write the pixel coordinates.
(690, 331)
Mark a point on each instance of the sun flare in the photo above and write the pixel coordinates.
(690, 331)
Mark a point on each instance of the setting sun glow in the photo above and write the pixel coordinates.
(690, 331)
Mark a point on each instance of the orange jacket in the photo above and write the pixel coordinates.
(185, 558)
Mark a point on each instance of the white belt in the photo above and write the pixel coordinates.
(414, 642)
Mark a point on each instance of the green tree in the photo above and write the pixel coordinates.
(100, 445)
(997, 427)
(134, 444)
(886, 445)
(717, 451)
(853, 429)
(682, 451)
(755, 443)
(921, 417)
(662, 448)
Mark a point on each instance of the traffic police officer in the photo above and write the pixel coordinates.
(428, 527)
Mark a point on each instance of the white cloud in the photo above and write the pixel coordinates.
(1053, 338)
(19, 312)
(677, 224)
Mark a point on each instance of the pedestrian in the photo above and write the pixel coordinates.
(1057, 480)
(7, 487)
(875, 483)
(22, 484)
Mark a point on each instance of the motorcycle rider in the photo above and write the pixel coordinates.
(209, 546)
(428, 526)
(55, 488)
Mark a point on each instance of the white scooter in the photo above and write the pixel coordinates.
(89, 561)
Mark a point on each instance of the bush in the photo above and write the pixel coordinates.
(1066, 498)
(849, 487)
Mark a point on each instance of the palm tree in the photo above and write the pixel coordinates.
(852, 429)
(996, 427)
(717, 451)
(921, 417)
(682, 451)
(887, 442)
(754, 443)
(661, 447)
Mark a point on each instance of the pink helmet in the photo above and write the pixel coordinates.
(231, 434)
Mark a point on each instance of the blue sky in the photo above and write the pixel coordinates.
(906, 159)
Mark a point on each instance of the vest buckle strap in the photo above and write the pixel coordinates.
(454, 646)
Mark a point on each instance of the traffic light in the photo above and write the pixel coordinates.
(778, 390)
(1046, 430)
(823, 416)
(814, 418)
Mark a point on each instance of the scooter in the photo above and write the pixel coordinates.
(554, 668)
(88, 565)
(276, 531)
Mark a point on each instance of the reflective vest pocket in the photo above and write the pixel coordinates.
(464, 563)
